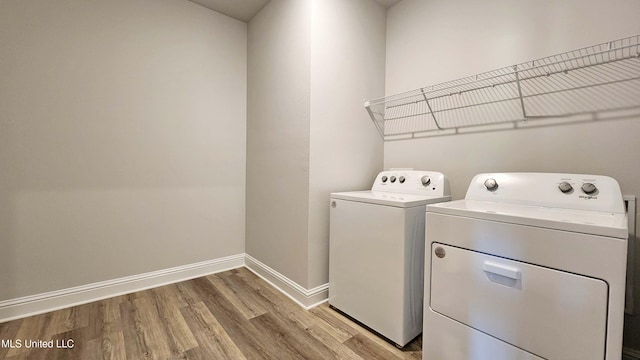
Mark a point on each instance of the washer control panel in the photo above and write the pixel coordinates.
(567, 191)
(412, 182)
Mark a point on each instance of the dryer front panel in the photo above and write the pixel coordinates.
(550, 313)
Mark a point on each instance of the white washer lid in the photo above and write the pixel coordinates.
(580, 221)
(389, 198)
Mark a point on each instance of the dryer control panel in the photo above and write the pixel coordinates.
(565, 191)
(421, 182)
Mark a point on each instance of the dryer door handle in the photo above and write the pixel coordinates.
(501, 269)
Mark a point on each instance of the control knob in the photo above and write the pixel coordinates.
(401, 179)
(589, 188)
(392, 179)
(491, 184)
(425, 180)
(565, 187)
(384, 178)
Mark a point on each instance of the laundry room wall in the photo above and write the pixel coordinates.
(311, 65)
(278, 137)
(122, 140)
(430, 42)
(347, 66)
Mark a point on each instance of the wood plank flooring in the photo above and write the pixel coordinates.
(229, 315)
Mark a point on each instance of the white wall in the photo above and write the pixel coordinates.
(122, 140)
(311, 65)
(347, 67)
(278, 137)
(429, 42)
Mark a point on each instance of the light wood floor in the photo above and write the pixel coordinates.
(230, 315)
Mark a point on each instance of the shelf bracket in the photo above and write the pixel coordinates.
(379, 127)
(524, 112)
(435, 121)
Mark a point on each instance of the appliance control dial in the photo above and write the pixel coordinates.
(565, 187)
(392, 179)
(589, 188)
(425, 180)
(401, 179)
(491, 184)
(384, 178)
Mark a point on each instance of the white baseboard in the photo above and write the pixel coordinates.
(307, 298)
(630, 354)
(59, 299)
(54, 300)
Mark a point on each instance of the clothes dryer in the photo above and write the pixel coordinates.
(527, 266)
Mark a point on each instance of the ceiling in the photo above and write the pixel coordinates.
(387, 3)
(244, 10)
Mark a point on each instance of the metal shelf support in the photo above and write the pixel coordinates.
(435, 121)
(524, 112)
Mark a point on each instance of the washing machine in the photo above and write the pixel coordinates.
(376, 257)
(527, 266)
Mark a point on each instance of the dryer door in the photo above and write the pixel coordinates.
(550, 313)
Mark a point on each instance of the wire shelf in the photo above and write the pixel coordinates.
(604, 77)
